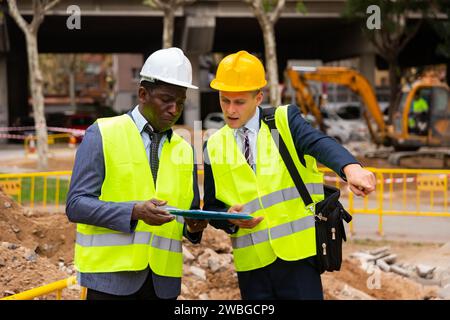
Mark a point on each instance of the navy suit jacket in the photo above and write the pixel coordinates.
(83, 206)
(307, 140)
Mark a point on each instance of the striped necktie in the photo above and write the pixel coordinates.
(246, 147)
(155, 139)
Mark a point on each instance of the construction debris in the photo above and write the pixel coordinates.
(425, 271)
(383, 265)
(42, 252)
(399, 270)
(22, 269)
(423, 274)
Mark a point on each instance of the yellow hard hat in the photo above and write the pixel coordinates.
(238, 72)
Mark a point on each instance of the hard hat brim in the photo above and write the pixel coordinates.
(170, 81)
(217, 85)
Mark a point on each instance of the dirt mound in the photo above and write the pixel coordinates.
(36, 248)
(218, 281)
(351, 282)
(48, 234)
(22, 269)
(388, 286)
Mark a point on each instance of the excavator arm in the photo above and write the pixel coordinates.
(342, 76)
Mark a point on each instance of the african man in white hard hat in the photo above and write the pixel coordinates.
(125, 178)
(244, 172)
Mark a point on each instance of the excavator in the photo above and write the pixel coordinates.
(408, 132)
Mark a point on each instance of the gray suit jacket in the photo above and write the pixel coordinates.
(83, 206)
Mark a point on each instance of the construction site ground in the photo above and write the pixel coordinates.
(36, 248)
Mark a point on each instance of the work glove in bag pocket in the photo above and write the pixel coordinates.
(330, 231)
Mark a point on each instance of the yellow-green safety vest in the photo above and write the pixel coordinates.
(287, 230)
(128, 178)
(419, 105)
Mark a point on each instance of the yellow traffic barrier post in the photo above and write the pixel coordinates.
(391, 189)
(44, 290)
(19, 196)
(83, 293)
(57, 193)
(380, 204)
(445, 192)
(32, 192)
(44, 196)
(404, 190)
(351, 211)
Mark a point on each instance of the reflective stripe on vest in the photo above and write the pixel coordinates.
(112, 239)
(281, 195)
(166, 244)
(275, 232)
(122, 239)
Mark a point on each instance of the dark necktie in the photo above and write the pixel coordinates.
(155, 138)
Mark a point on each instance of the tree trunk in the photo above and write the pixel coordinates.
(36, 83)
(394, 81)
(72, 69)
(169, 21)
(271, 63)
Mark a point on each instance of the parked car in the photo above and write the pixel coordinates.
(79, 121)
(214, 120)
(345, 123)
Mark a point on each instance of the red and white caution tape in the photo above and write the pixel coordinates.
(399, 180)
(12, 136)
(387, 180)
(75, 132)
(6, 129)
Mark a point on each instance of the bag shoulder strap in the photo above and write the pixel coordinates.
(268, 116)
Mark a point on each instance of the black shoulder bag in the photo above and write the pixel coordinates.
(329, 213)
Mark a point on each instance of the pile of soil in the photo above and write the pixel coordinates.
(22, 269)
(351, 282)
(49, 234)
(219, 283)
(390, 287)
(36, 248)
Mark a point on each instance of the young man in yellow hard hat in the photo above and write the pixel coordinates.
(127, 168)
(274, 251)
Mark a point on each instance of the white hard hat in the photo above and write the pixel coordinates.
(168, 65)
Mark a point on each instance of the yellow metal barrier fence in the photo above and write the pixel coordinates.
(54, 287)
(45, 189)
(400, 192)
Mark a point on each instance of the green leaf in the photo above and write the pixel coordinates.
(268, 5)
(300, 7)
(149, 3)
